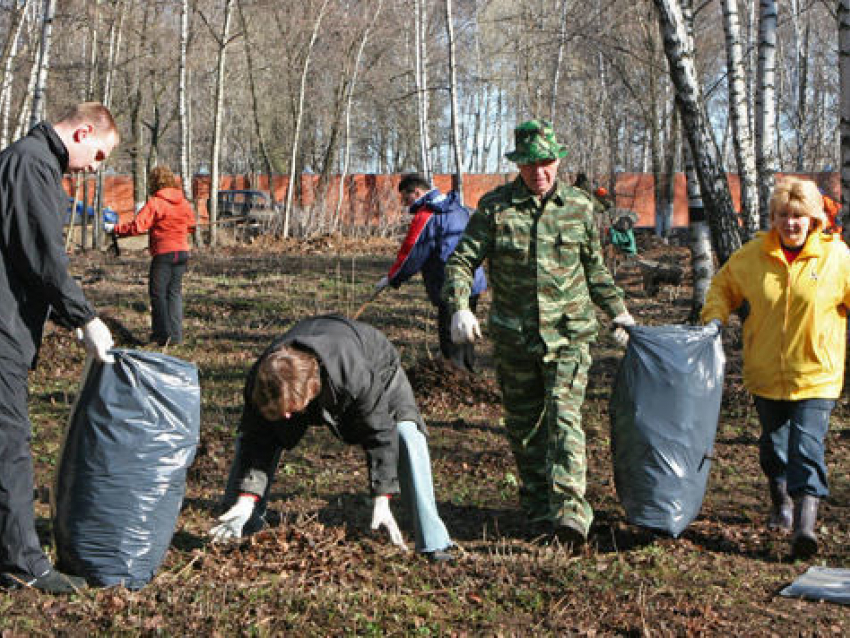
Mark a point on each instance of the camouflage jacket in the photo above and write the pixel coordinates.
(545, 268)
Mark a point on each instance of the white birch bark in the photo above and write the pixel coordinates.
(844, 70)
(742, 141)
(712, 179)
(38, 101)
(765, 118)
(421, 79)
(348, 100)
(182, 91)
(298, 118)
(456, 145)
(10, 51)
(217, 118)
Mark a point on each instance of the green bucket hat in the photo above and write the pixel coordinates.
(535, 142)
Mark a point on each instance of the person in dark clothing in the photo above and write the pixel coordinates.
(346, 375)
(168, 219)
(437, 226)
(35, 284)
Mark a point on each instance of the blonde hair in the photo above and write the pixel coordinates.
(800, 196)
(287, 380)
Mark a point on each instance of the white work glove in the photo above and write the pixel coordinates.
(383, 282)
(383, 517)
(465, 328)
(621, 322)
(716, 324)
(97, 339)
(108, 227)
(233, 520)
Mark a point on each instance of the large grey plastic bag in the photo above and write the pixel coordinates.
(120, 483)
(664, 411)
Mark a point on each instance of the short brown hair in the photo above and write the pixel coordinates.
(161, 177)
(93, 113)
(287, 380)
(800, 196)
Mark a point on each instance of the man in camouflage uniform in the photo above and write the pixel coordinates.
(545, 268)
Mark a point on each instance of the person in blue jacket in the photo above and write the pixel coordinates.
(437, 226)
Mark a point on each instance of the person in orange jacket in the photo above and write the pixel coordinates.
(168, 219)
(832, 209)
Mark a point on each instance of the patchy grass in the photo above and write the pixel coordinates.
(318, 571)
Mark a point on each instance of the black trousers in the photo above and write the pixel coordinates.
(165, 286)
(462, 355)
(20, 550)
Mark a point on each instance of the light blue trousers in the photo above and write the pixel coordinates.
(417, 490)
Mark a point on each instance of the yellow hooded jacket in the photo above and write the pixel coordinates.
(796, 333)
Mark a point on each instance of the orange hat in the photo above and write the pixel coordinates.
(601, 192)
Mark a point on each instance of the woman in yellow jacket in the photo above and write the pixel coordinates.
(796, 281)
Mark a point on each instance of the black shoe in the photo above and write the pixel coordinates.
(446, 555)
(53, 582)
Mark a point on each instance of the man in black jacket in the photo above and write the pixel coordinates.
(347, 376)
(35, 283)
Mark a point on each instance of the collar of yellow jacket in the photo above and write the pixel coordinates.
(813, 248)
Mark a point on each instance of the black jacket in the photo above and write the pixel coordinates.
(34, 274)
(364, 393)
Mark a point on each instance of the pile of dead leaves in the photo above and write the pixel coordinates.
(438, 382)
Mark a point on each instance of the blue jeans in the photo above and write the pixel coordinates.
(791, 447)
(417, 490)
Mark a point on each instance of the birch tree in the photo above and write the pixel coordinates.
(10, 50)
(293, 157)
(739, 116)
(712, 179)
(765, 118)
(348, 100)
(458, 153)
(420, 74)
(182, 108)
(43, 63)
(844, 56)
(218, 114)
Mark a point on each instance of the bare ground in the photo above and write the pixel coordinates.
(318, 571)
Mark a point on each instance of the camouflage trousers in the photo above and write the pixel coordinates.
(542, 415)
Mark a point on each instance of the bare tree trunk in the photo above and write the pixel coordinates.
(844, 51)
(562, 45)
(137, 102)
(742, 141)
(182, 91)
(766, 107)
(217, 117)
(293, 158)
(10, 50)
(715, 190)
(255, 101)
(348, 99)
(421, 76)
(458, 152)
(25, 111)
(43, 63)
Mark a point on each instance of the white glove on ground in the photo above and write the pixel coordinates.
(233, 520)
(465, 328)
(108, 227)
(97, 339)
(621, 321)
(383, 517)
(716, 324)
(383, 282)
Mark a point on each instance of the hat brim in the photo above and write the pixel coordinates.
(519, 158)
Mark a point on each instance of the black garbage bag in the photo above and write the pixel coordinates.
(121, 478)
(664, 410)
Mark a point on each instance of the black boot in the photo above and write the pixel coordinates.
(51, 582)
(782, 510)
(804, 542)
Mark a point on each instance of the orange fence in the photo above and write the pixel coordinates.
(370, 199)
